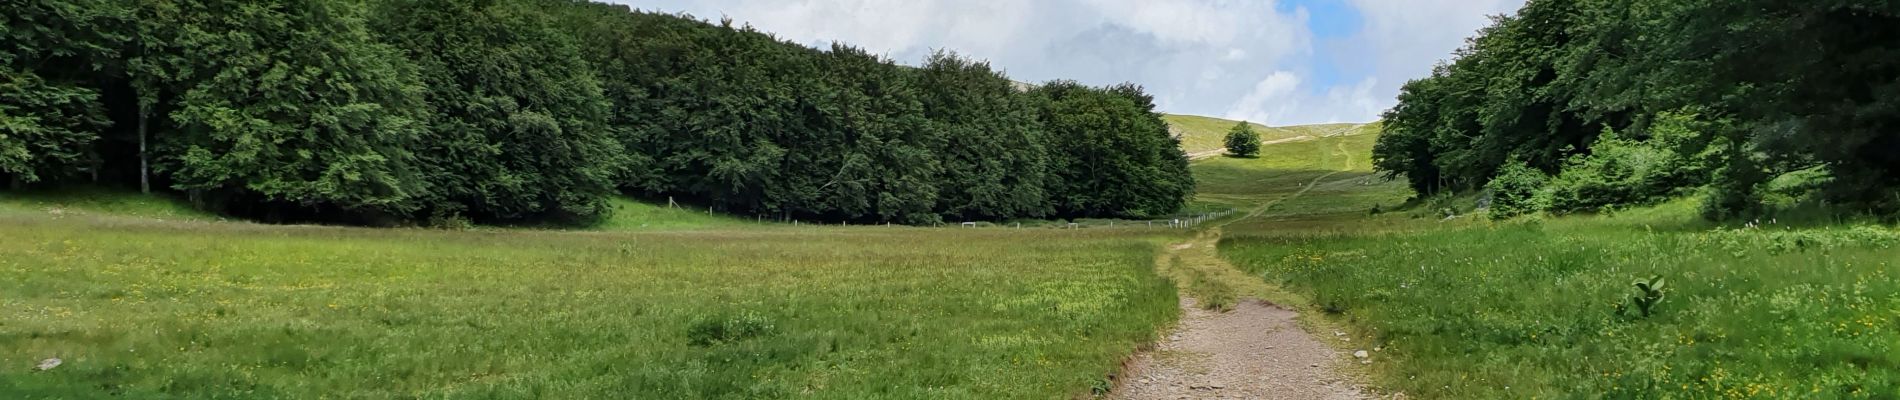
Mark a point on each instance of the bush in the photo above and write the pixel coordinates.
(1623, 172)
(1515, 191)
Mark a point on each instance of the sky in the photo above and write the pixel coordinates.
(1278, 62)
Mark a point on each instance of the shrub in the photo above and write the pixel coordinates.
(1623, 171)
(1515, 190)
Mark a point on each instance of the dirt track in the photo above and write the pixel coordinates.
(1255, 351)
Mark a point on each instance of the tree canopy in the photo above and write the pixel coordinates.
(1738, 97)
(529, 111)
(1242, 141)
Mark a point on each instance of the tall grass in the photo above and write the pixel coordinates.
(1544, 309)
(145, 309)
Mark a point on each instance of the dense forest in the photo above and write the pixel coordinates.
(1586, 105)
(530, 111)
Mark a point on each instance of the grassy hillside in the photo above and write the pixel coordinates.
(153, 309)
(1464, 308)
(1329, 174)
(1202, 134)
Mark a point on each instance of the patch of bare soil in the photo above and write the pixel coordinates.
(1255, 351)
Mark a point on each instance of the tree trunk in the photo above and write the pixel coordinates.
(145, 169)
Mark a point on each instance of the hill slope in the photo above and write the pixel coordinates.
(1203, 135)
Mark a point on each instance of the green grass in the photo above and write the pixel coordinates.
(633, 215)
(1529, 310)
(1469, 309)
(1200, 134)
(147, 309)
(75, 201)
(1331, 176)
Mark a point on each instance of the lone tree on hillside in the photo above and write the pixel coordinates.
(1242, 141)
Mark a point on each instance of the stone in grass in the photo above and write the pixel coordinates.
(49, 363)
(1361, 354)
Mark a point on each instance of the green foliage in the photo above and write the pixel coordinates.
(1516, 191)
(518, 125)
(284, 105)
(1774, 87)
(994, 162)
(1242, 141)
(45, 128)
(1625, 172)
(1649, 293)
(1110, 153)
(540, 111)
(735, 118)
(50, 114)
(886, 167)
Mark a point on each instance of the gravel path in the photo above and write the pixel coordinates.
(1255, 351)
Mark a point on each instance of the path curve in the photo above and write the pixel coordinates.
(1257, 350)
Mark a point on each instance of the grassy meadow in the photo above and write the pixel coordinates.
(1545, 310)
(142, 308)
(145, 298)
(1465, 308)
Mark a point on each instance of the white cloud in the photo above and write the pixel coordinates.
(1269, 98)
(1402, 39)
(895, 27)
(1284, 98)
(1234, 55)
